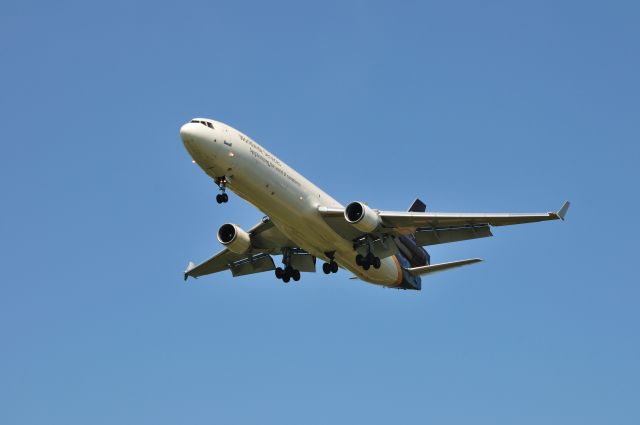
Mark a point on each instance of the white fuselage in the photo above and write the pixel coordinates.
(289, 199)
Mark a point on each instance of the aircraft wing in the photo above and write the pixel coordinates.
(435, 219)
(432, 228)
(239, 264)
(265, 238)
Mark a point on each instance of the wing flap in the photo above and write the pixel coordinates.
(434, 236)
(415, 220)
(252, 264)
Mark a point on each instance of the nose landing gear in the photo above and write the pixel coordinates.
(222, 197)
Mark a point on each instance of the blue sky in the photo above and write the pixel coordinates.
(472, 106)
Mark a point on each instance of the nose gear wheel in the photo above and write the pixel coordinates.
(222, 197)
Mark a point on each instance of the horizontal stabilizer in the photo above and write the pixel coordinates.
(418, 271)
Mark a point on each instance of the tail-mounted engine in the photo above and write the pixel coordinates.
(234, 238)
(362, 217)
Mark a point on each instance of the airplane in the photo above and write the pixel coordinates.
(302, 223)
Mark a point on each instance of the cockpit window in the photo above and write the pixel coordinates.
(205, 123)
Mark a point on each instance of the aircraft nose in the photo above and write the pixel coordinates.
(187, 132)
(196, 138)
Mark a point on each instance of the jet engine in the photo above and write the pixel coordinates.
(362, 217)
(234, 238)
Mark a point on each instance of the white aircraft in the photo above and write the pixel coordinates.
(303, 223)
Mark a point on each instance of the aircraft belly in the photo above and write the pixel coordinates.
(307, 229)
(319, 238)
(389, 273)
(293, 209)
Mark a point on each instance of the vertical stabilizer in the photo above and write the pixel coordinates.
(418, 206)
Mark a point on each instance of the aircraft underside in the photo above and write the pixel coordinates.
(303, 223)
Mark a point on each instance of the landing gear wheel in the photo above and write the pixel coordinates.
(279, 273)
(369, 258)
(366, 266)
(359, 259)
(376, 263)
(334, 267)
(286, 278)
(326, 268)
(221, 197)
(296, 275)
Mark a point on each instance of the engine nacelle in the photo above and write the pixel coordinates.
(234, 238)
(362, 217)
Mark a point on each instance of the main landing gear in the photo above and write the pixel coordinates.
(366, 261)
(222, 197)
(331, 267)
(288, 272)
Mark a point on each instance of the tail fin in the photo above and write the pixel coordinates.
(418, 206)
(416, 255)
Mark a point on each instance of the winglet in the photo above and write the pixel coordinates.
(190, 267)
(563, 211)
